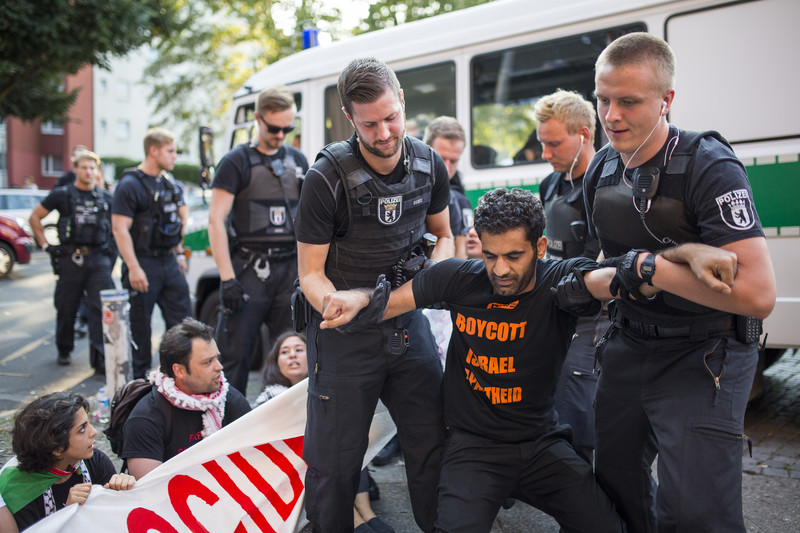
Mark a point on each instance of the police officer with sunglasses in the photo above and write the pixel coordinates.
(250, 228)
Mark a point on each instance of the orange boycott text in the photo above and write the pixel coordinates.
(181, 487)
(491, 365)
(501, 331)
(496, 395)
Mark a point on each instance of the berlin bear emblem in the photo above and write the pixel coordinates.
(390, 209)
(736, 209)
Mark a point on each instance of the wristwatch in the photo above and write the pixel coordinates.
(648, 268)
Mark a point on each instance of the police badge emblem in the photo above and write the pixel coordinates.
(277, 215)
(736, 209)
(390, 209)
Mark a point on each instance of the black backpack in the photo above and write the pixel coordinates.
(123, 403)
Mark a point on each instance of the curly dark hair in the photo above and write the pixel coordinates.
(42, 427)
(272, 374)
(501, 210)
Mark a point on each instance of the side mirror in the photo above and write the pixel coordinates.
(206, 135)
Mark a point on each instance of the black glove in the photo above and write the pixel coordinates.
(232, 294)
(373, 312)
(627, 280)
(55, 250)
(573, 296)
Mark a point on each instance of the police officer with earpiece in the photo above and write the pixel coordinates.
(565, 125)
(677, 364)
(250, 229)
(84, 257)
(148, 228)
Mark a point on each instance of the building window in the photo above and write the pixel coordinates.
(123, 90)
(102, 127)
(123, 129)
(52, 165)
(53, 127)
(102, 86)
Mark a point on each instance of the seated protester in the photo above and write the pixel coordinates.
(286, 365)
(56, 463)
(190, 399)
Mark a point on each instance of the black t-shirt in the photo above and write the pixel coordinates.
(59, 200)
(153, 417)
(100, 471)
(131, 196)
(506, 352)
(323, 213)
(460, 208)
(233, 172)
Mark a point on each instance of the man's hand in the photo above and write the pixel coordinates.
(78, 493)
(232, 294)
(713, 266)
(138, 279)
(573, 296)
(341, 307)
(120, 482)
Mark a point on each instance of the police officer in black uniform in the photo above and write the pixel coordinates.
(678, 366)
(364, 202)
(565, 125)
(148, 228)
(84, 257)
(250, 229)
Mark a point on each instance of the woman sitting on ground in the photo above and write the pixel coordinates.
(56, 462)
(286, 365)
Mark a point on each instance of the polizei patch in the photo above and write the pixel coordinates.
(736, 209)
(390, 209)
(277, 215)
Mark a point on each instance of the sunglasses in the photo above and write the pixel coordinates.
(276, 129)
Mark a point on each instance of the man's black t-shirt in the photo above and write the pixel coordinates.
(233, 172)
(506, 352)
(146, 427)
(131, 196)
(322, 214)
(59, 199)
(100, 471)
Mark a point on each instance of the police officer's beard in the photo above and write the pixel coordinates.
(385, 153)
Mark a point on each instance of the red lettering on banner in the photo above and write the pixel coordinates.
(180, 488)
(241, 498)
(142, 520)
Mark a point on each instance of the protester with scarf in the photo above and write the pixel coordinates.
(55, 464)
(190, 399)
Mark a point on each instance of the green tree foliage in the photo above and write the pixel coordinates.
(386, 13)
(42, 41)
(198, 69)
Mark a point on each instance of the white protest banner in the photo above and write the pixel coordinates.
(247, 477)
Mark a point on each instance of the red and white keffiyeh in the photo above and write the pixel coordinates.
(212, 405)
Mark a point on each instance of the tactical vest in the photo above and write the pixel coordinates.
(384, 219)
(88, 222)
(156, 229)
(620, 228)
(263, 212)
(561, 211)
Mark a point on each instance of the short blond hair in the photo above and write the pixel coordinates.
(157, 137)
(274, 99)
(569, 108)
(641, 48)
(86, 154)
(446, 128)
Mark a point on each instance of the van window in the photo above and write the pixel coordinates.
(429, 92)
(507, 83)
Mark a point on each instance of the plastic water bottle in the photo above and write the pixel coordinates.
(102, 413)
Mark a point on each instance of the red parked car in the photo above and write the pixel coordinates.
(15, 245)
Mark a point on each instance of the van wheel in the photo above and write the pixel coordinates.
(209, 310)
(7, 259)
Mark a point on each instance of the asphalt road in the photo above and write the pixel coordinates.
(771, 478)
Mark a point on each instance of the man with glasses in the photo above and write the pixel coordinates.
(250, 228)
